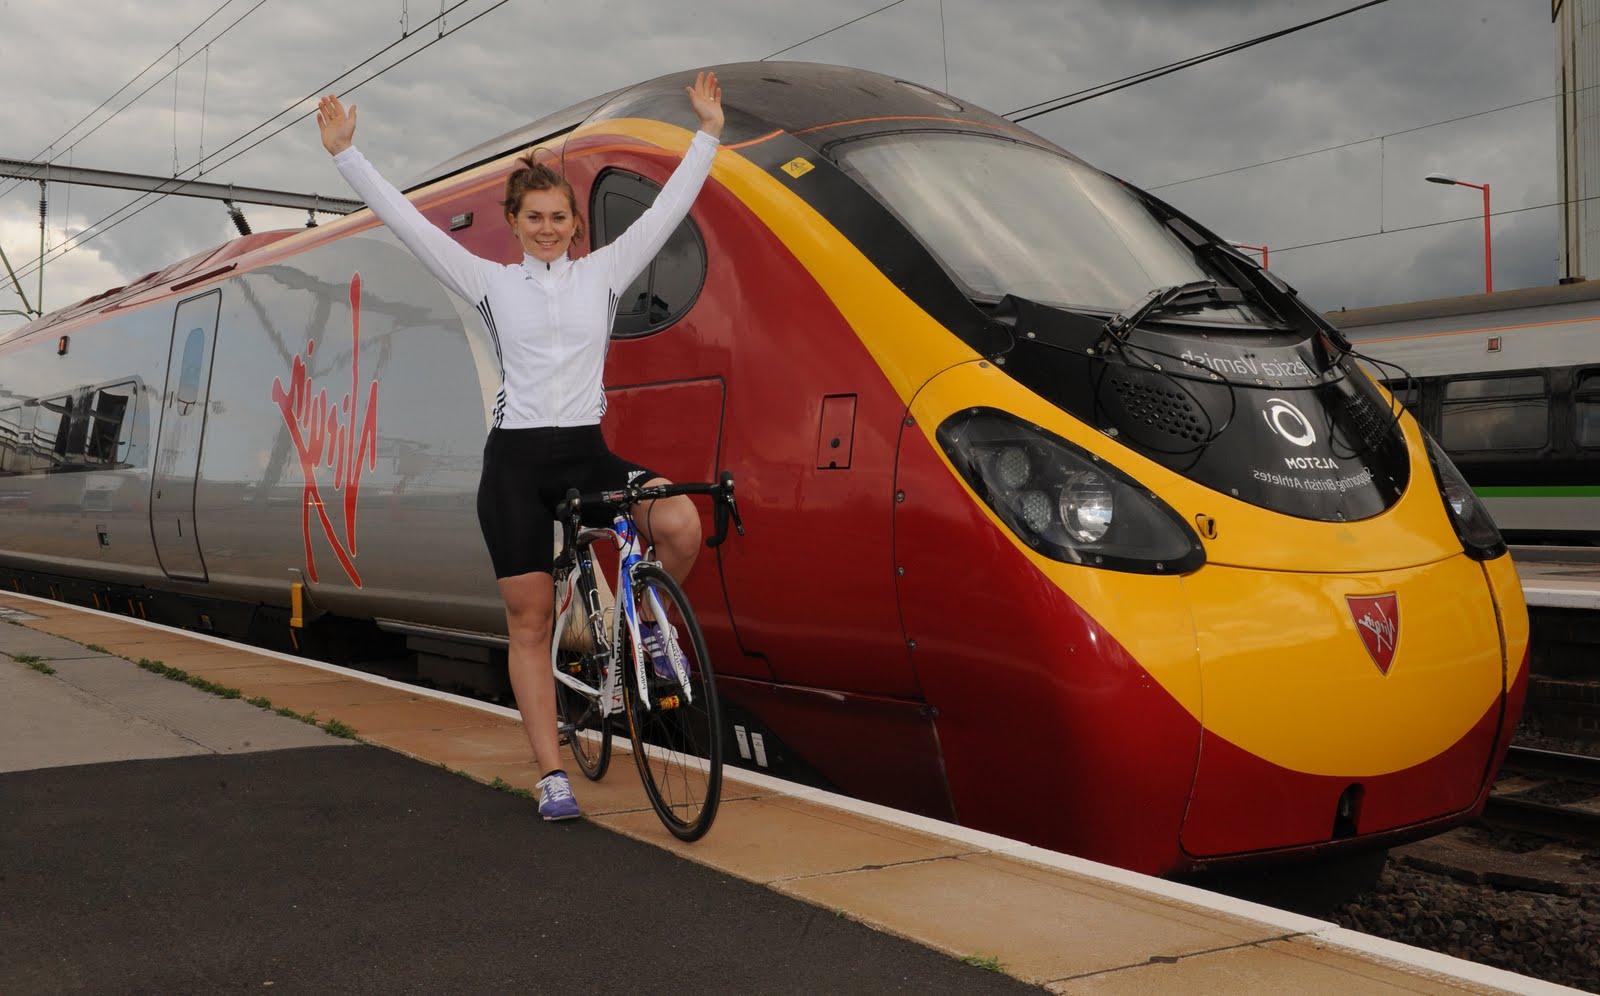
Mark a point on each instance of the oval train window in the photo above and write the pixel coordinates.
(670, 284)
(190, 370)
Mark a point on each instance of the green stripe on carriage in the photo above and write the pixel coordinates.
(1548, 491)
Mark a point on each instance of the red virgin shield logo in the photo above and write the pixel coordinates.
(1378, 621)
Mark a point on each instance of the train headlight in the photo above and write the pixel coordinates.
(1480, 537)
(1035, 508)
(1065, 502)
(1086, 506)
(1011, 467)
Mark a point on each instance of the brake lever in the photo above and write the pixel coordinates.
(722, 507)
(719, 529)
(726, 480)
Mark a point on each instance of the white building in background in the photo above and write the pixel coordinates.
(1577, 24)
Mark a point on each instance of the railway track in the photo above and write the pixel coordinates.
(1548, 792)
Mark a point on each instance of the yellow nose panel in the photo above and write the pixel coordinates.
(1287, 677)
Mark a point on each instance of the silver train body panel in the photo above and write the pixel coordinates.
(269, 505)
(1538, 327)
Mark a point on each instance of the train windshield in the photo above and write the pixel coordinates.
(1007, 218)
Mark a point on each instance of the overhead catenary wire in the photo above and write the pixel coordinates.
(1374, 138)
(17, 183)
(836, 27)
(135, 207)
(944, 47)
(1145, 76)
(89, 233)
(1436, 224)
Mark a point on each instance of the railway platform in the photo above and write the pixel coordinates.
(1559, 577)
(329, 829)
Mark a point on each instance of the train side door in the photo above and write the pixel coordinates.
(183, 421)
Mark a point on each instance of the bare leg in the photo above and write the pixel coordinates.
(673, 526)
(529, 602)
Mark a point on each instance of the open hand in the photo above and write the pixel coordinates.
(339, 127)
(706, 99)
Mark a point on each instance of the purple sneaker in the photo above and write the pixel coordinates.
(656, 648)
(555, 797)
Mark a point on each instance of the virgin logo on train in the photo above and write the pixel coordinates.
(326, 438)
(1289, 422)
(1378, 621)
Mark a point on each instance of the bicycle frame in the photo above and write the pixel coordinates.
(609, 696)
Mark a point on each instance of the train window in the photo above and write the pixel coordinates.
(77, 434)
(109, 433)
(1586, 402)
(1408, 393)
(621, 211)
(50, 433)
(88, 429)
(194, 356)
(671, 283)
(1007, 218)
(1496, 413)
(16, 428)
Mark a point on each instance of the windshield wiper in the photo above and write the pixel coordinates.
(1198, 293)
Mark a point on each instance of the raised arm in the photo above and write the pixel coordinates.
(632, 251)
(465, 274)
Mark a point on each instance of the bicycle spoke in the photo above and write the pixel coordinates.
(677, 748)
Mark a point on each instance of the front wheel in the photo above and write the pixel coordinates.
(677, 739)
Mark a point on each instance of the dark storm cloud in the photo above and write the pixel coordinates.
(1396, 66)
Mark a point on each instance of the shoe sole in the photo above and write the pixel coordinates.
(560, 819)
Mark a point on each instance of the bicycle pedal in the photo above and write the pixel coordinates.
(566, 729)
(668, 702)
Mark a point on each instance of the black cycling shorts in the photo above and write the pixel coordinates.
(526, 474)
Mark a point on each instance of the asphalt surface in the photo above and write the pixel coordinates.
(354, 869)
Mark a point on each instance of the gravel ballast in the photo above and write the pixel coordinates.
(1549, 937)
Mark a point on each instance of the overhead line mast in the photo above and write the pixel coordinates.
(182, 188)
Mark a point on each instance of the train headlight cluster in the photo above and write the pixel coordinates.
(1087, 506)
(1064, 501)
(1480, 537)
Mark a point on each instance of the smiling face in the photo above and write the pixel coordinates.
(544, 224)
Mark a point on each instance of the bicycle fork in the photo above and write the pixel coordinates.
(630, 557)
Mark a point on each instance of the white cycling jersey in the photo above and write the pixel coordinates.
(550, 322)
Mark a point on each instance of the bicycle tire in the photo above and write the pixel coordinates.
(681, 744)
(581, 714)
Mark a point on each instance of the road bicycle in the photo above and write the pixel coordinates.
(602, 667)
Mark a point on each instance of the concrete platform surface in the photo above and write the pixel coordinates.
(1558, 584)
(1045, 918)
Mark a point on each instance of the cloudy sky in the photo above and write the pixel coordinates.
(1395, 67)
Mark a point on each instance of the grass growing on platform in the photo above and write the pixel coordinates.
(178, 674)
(501, 785)
(338, 729)
(37, 663)
(989, 963)
(333, 726)
(96, 648)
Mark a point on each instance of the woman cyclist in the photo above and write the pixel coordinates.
(549, 317)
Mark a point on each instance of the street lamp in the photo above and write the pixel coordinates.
(1488, 258)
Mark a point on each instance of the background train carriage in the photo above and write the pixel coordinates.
(307, 411)
(1509, 383)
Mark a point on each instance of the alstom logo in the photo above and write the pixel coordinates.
(339, 438)
(1285, 420)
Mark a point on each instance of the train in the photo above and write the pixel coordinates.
(1064, 519)
(1509, 383)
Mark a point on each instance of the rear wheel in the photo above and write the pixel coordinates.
(677, 739)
